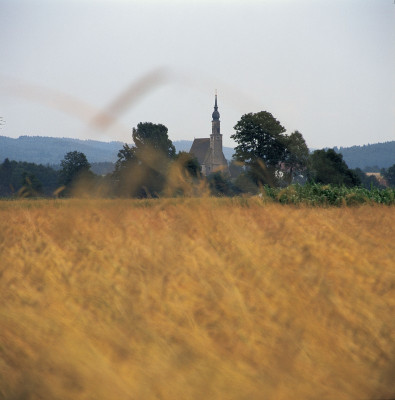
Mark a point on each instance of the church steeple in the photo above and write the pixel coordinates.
(210, 149)
(215, 113)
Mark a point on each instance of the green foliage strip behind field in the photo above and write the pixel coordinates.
(327, 195)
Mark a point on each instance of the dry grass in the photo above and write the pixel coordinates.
(195, 299)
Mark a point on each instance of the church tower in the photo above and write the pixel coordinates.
(208, 151)
(215, 115)
(216, 137)
(217, 161)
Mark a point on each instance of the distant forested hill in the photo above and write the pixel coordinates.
(381, 155)
(49, 150)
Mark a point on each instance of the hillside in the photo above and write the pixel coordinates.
(381, 155)
(50, 150)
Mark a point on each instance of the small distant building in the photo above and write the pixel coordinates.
(380, 178)
(208, 151)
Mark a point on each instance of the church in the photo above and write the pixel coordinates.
(208, 151)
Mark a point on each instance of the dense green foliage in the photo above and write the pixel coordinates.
(367, 181)
(153, 137)
(260, 145)
(296, 159)
(27, 179)
(73, 166)
(141, 169)
(389, 175)
(327, 166)
(220, 185)
(33, 179)
(264, 148)
(75, 173)
(266, 162)
(328, 195)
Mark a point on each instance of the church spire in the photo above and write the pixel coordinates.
(215, 113)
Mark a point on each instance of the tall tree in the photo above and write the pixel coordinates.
(141, 169)
(6, 182)
(126, 158)
(296, 156)
(74, 165)
(155, 137)
(261, 145)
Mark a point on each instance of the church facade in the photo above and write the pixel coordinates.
(208, 151)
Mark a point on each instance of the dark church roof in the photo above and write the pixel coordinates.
(199, 149)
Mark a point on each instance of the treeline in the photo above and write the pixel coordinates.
(272, 158)
(29, 179)
(266, 160)
(33, 179)
(98, 168)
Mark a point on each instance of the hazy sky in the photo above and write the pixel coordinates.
(325, 68)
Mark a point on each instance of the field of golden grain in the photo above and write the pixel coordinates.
(195, 299)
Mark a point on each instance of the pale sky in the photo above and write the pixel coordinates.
(323, 67)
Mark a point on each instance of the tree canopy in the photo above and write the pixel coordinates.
(327, 166)
(141, 169)
(261, 146)
(259, 136)
(297, 155)
(155, 137)
(73, 166)
(37, 179)
(264, 148)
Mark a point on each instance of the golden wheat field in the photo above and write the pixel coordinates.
(196, 299)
